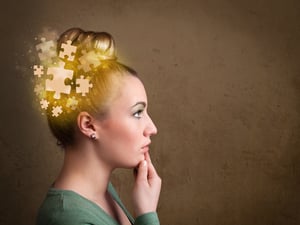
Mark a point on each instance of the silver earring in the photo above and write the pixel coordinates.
(93, 136)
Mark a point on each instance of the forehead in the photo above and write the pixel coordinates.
(131, 91)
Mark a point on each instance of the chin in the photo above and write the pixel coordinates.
(128, 165)
(133, 166)
(133, 163)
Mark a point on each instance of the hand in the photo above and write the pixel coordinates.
(147, 187)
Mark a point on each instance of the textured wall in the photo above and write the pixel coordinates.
(223, 82)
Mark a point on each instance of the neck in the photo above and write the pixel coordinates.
(84, 173)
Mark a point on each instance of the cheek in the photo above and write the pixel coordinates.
(125, 145)
(124, 134)
(129, 136)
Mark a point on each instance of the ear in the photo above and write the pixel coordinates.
(86, 123)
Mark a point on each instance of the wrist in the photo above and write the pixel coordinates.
(149, 218)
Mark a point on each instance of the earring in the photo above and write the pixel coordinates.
(93, 136)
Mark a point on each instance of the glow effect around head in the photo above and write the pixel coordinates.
(63, 78)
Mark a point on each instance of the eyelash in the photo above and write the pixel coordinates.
(138, 113)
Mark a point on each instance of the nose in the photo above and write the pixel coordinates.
(150, 128)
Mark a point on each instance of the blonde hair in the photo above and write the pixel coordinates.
(106, 79)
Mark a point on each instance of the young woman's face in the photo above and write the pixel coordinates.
(124, 135)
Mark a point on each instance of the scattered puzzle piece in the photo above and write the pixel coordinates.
(57, 84)
(56, 111)
(47, 51)
(88, 60)
(72, 103)
(38, 89)
(38, 70)
(49, 34)
(44, 104)
(84, 85)
(69, 51)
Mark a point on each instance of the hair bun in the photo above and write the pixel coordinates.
(101, 42)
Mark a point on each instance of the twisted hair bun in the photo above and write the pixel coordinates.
(101, 42)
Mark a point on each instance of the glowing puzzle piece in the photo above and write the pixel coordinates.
(47, 50)
(84, 86)
(38, 89)
(72, 103)
(49, 34)
(69, 51)
(89, 60)
(38, 70)
(57, 84)
(56, 111)
(44, 104)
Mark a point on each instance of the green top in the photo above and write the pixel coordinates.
(65, 207)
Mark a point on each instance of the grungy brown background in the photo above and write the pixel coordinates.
(223, 82)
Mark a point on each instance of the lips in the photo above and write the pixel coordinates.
(146, 147)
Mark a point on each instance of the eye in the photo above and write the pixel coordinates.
(138, 113)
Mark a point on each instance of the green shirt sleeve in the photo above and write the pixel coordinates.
(150, 218)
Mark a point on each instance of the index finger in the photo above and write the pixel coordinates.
(151, 169)
(147, 157)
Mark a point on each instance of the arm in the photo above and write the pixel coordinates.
(146, 193)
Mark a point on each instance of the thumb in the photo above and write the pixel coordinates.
(142, 172)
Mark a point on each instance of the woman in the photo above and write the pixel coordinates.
(104, 128)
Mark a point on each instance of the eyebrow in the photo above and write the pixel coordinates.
(139, 103)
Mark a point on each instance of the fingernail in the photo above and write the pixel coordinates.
(144, 163)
